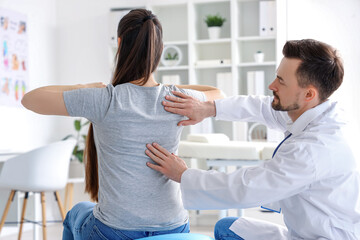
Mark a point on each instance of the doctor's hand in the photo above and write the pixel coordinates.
(168, 164)
(190, 107)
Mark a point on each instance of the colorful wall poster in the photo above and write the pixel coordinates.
(14, 77)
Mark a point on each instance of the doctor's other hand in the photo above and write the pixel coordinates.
(167, 163)
(190, 107)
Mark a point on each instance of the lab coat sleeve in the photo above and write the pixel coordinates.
(273, 180)
(251, 109)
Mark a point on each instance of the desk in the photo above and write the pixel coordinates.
(227, 153)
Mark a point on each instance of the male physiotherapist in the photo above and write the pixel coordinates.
(312, 174)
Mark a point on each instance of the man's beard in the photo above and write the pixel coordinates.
(278, 107)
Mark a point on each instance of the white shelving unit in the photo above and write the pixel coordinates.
(184, 27)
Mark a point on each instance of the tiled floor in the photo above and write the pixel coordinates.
(200, 223)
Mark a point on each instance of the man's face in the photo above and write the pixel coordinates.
(287, 93)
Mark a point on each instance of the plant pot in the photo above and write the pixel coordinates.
(76, 169)
(169, 63)
(259, 57)
(172, 49)
(214, 32)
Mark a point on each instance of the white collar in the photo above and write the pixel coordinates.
(307, 117)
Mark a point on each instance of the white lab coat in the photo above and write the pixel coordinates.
(313, 175)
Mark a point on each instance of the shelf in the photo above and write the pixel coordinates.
(255, 64)
(175, 43)
(173, 68)
(213, 41)
(213, 66)
(256, 38)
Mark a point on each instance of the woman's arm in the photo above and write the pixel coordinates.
(211, 93)
(49, 100)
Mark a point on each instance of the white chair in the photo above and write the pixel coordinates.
(41, 170)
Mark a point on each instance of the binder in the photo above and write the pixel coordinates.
(255, 83)
(267, 19)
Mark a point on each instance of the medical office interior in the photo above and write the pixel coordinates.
(67, 42)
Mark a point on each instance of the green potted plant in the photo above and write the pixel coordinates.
(171, 56)
(77, 160)
(214, 24)
(171, 59)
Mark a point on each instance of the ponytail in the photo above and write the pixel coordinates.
(91, 166)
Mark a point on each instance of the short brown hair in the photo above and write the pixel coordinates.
(320, 65)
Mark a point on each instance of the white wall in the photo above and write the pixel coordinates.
(338, 24)
(21, 129)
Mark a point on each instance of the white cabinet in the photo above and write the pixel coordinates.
(233, 53)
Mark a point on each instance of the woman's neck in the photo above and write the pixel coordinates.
(150, 82)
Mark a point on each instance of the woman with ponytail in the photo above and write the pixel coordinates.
(132, 200)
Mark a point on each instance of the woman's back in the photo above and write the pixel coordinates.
(125, 119)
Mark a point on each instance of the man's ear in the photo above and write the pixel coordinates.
(311, 93)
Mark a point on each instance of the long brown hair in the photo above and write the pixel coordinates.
(138, 56)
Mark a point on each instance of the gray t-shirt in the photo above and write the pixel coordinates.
(125, 118)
